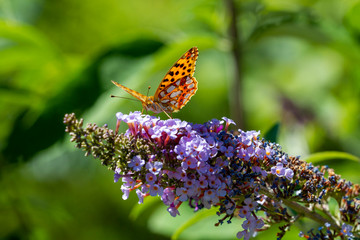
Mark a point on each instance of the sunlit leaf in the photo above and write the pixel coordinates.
(196, 218)
(331, 155)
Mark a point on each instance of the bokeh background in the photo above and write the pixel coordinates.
(290, 67)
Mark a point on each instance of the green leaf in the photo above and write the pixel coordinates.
(150, 204)
(196, 218)
(331, 155)
(272, 134)
(345, 164)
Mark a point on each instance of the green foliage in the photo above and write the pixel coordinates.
(345, 164)
(272, 134)
(299, 68)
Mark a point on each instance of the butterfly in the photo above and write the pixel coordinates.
(176, 88)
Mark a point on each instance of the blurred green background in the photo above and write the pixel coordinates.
(293, 63)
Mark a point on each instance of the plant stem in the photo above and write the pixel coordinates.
(237, 107)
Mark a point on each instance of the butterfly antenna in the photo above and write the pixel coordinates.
(147, 94)
(113, 96)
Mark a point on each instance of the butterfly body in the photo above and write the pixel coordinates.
(176, 88)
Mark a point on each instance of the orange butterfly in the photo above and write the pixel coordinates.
(175, 90)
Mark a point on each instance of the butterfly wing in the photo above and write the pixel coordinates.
(178, 85)
(136, 94)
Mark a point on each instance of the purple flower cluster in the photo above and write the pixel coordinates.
(203, 164)
(206, 165)
(280, 171)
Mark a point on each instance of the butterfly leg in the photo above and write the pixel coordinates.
(142, 110)
(163, 110)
